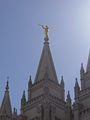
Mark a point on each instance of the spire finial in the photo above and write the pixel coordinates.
(30, 81)
(82, 68)
(76, 83)
(76, 89)
(81, 64)
(62, 81)
(68, 95)
(14, 111)
(76, 79)
(24, 93)
(45, 28)
(68, 98)
(23, 100)
(7, 84)
(62, 77)
(30, 78)
(46, 31)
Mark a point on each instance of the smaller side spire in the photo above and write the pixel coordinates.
(62, 86)
(6, 103)
(30, 83)
(14, 113)
(69, 113)
(76, 89)
(76, 84)
(68, 100)
(23, 100)
(29, 88)
(82, 74)
(62, 82)
(82, 69)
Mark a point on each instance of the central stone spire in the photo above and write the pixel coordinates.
(46, 65)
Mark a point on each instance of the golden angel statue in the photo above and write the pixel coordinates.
(45, 30)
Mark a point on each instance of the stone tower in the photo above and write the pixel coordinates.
(46, 99)
(82, 96)
(46, 96)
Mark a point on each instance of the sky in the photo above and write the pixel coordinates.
(21, 41)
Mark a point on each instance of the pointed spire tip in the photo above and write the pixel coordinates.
(24, 92)
(76, 78)
(62, 77)
(7, 85)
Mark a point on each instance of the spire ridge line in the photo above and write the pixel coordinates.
(88, 63)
